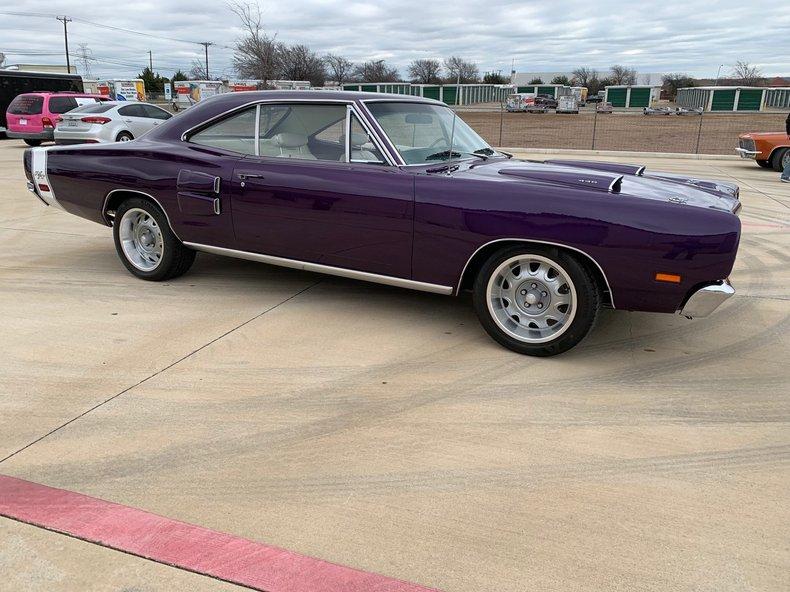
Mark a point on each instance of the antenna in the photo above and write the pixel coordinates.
(455, 114)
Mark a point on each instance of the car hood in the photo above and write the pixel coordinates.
(613, 179)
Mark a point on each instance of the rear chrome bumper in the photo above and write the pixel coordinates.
(705, 300)
(747, 153)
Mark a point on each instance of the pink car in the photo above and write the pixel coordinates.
(32, 116)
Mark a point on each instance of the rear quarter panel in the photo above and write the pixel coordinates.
(83, 176)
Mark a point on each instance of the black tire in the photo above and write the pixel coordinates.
(777, 157)
(587, 305)
(765, 164)
(33, 142)
(176, 258)
(124, 137)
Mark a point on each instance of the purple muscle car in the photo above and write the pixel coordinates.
(398, 190)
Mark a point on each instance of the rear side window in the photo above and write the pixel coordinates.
(235, 133)
(95, 108)
(62, 104)
(26, 105)
(132, 111)
(155, 112)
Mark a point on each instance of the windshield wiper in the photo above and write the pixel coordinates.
(447, 156)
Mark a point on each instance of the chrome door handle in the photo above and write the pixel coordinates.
(244, 176)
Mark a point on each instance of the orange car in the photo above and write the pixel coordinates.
(770, 150)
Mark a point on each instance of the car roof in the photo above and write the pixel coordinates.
(239, 98)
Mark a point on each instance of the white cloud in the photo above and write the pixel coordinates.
(694, 36)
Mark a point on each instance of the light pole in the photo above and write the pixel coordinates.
(717, 75)
(206, 45)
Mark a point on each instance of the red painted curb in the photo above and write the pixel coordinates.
(183, 545)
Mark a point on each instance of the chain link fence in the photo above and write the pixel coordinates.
(709, 133)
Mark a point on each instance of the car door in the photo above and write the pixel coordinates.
(204, 172)
(318, 189)
(134, 119)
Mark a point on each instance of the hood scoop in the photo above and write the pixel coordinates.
(590, 180)
(609, 167)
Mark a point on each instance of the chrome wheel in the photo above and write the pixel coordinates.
(531, 298)
(141, 239)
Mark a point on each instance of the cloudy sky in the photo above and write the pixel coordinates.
(690, 36)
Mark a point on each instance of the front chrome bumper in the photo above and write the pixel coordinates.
(747, 153)
(705, 300)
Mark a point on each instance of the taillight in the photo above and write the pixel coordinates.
(58, 119)
(46, 122)
(99, 120)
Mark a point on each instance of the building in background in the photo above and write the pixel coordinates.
(632, 97)
(734, 98)
(48, 68)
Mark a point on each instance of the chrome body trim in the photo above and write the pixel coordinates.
(539, 242)
(707, 299)
(38, 166)
(327, 269)
(351, 107)
(137, 191)
(747, 153)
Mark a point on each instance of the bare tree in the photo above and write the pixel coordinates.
(256, 54)
(198, 70)
(585, 77)
(425, 71)
(460, 69)
(299, 62)
(746, 74)
(339, 67)
(376, 71)
(622, 75)
(672, 82)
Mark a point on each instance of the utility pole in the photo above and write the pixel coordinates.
(206, 44)
(150, 61)
(64, 19)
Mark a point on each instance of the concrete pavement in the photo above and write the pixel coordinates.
(382, 429)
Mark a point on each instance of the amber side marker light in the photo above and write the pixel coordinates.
(668, 277)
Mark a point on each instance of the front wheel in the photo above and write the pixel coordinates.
(124, 137)
(145, 243)
(780, 159)
(33, 142)
(536, 301)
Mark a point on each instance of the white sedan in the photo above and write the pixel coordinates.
(108, 122)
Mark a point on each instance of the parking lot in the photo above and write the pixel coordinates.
(382, 429)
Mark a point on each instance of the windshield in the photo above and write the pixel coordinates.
(422, 132)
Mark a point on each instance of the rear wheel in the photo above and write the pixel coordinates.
(766, 164)
(780, 159)
(536, 301)
(145, 243)
(33, 142)
(124, 137)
